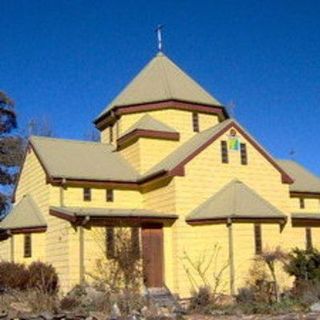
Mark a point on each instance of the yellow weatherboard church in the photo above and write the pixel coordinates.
(176, 169)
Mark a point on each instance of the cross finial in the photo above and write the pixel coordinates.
(159, 36)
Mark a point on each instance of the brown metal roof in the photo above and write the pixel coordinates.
(235, 200)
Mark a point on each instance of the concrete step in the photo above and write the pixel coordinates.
(162, 297)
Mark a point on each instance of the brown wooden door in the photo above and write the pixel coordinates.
(152, 250)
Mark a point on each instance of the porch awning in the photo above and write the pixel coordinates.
(25, 216)
(74, 214)
(305, 219)
(238, 203)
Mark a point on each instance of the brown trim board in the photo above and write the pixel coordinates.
(28, 230)
(104, 120)
(305, 222)
(304, 194)
(102, 221)
(142, 133)
(62, 215)
(237, 220)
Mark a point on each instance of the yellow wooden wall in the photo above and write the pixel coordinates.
(161, 197)
(312, 205)
(33, 182)
(73, 197)
(5, 253)
(133, 155)
(146, 152)
(180, 120)
(205, 175)
(38, 248)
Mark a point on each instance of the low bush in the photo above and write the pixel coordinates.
(43, 277)
(306, 291)
(13, 275)
(202, 300)
(38, 275)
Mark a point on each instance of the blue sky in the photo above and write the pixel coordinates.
(65, 60)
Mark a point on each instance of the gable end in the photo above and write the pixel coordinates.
(285, 177)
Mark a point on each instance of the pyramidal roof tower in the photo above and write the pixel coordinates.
(161, 80)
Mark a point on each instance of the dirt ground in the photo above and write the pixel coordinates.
(309, 316)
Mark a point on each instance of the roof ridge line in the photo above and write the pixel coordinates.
(166, 81)
(70, 140)
(259, 197)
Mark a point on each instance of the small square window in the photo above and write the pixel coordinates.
(109, 195)
(302, 203)
(27, 246)
(86, 194)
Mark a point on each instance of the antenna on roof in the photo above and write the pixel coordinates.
(231, 106)
(159, 36)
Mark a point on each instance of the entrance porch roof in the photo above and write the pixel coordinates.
(79, 214)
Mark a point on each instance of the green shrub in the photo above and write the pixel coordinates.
(43, 276)
(13, 275)
(304, 265)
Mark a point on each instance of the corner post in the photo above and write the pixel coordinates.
(12, 248)
(82, 250)
(61, 191)
(81, 254)
(231, 256)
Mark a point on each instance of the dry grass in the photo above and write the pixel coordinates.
(29, 301)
